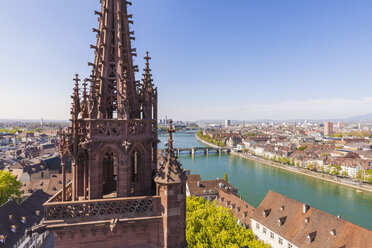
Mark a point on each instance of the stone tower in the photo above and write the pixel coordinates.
(171, 187)
(113, 199)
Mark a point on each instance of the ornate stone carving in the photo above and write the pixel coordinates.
(141, 128)
(126, 145)
(108, 128)
(106, 208)
(132, 127)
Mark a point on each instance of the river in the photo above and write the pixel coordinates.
(255, 179)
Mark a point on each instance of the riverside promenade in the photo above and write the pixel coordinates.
(298, 170)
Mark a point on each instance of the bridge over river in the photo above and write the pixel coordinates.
(195, 150)
(254, 180)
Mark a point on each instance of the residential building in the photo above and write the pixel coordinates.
(209, 189)
(328, 129)
(16, 219)
(284, 222)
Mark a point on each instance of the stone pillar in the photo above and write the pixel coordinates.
(85, 180)
(74, 181)
(63, 180)
(192, 151)
(173, 201)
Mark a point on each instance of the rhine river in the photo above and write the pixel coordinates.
(254, 180)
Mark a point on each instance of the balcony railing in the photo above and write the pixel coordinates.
(103, 209)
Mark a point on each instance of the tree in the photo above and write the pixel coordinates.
(335, 170)
(209, 225)
(360, 175)
(301, 148)
(225, 177)
(310, 166)
(368, 177)
(9, 187)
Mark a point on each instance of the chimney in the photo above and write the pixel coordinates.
(305, 208)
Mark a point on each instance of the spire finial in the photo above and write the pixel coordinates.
(77, 80)
(171, 130)
(147, 58)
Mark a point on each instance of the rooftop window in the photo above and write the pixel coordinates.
(311, 237)
(266, 212)
(23, 220)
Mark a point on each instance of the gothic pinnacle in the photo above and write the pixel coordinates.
(170, 130)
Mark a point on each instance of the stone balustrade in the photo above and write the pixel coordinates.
(101, 209)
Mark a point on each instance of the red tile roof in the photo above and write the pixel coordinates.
(319, 224)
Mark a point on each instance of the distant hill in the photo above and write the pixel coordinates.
(366, 117)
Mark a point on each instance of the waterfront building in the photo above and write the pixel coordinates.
(284, 222)
(119, 195)
(16, 218)
(328, 129)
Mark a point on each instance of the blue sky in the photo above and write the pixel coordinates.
(212, 59)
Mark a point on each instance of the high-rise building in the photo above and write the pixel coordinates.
(328, 129)
(122, 193)
(227, 123)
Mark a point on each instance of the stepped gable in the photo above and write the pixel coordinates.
(300, 221)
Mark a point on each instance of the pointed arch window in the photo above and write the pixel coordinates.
(110, 172)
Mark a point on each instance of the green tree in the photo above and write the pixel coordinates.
(301, 148)
(9, 187)
(209, 225)
(360, 175)
(310, 166)
(368, 177)
(225, 177)
(335, 170)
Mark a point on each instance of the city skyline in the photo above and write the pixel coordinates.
(243, 60)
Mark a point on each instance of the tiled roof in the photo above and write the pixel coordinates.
(195, 177)
(325, 230)
(210, 187)
(239, 208)
(16, 218)
(49, 186)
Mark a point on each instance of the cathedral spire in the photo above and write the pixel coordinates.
(113, 68)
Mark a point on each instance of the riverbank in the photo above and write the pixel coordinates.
(298, 170)
(207, 143)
